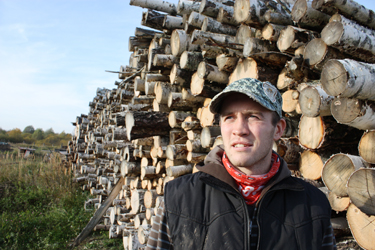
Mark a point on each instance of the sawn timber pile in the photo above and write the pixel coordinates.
(155, 125)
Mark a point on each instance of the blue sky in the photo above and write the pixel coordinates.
(54, 53)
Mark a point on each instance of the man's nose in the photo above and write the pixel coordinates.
(241, 126)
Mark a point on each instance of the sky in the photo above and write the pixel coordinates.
(54, 55)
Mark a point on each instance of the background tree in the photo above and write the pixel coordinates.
(38, 134)
(15, 135)
(29, 130)
(49, 132)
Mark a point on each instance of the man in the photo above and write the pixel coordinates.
(244, 196)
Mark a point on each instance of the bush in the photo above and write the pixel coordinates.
(39, 205)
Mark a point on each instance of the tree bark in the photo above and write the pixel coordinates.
(203, 88)
(153, 19)
(173, 22)
(214, 26)
(271, 32)
(158, 5)
(244, 32)
(209, 134)
(190, 60)
(250, 12)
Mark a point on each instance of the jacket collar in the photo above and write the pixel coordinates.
(214, 167)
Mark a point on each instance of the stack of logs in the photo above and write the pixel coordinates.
(155, 125)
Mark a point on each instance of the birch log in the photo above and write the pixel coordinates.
(250, 12)
(361, 190)
(349, 8)
(211, 25)
(187, 6)
(308, 17)
(226, 15)
(291, 38)
(314, 101)
(362, 227)
(350, 38)
(354, 112)
(366, 146)
(264, 51)
(211, 72)
(158, 5)
(317, 53)
(349, 78)
(337, 170)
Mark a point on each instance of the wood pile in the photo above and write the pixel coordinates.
(155, 125)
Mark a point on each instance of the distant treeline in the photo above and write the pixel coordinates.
(35, 136)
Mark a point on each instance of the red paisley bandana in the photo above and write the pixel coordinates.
(251, 186)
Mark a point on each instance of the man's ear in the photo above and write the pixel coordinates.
(279, 129)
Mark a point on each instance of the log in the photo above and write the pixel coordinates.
(137, 199)
(308, 17)
(264, 51)
(203, 88)
(284, 81)
(291, 38)
(166, 61)
(190, 60)
(290, 102)
(210, 52)
(226, 63)
(349, 8)
(98, 214)
(196, 19)
(350, 38)
(189, 97)
(277, 18)
(314, 101)
(366, 146)
(153, 19)
(212, 73)
(211, 7)
(320, 132)
(362, 227)
(271, 31)
(176, 152)
(173, 22)
(211, 25)
(338, 204)
(177, 103)
(176, 118)
(201, 37)
(158, 5)
(248, 67)
(176, 171)
(348, 78)
(361, 190)
(337, 170)
(144, 124)
(180, 42)
(180, 76)
(226, 15)
(354, 113)
(162, 90)
(244, 32)
(311, 164)
(209, 134)
(317, 53)
(187, 6)
(195, 158)
(250, 12)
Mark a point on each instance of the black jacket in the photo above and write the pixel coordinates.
(206, 211)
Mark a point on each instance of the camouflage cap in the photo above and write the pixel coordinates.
(263, 93)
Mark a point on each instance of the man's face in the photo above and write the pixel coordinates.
(248, 133)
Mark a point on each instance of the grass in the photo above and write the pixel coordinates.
(40, 207)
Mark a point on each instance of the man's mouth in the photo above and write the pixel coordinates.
(239, 145)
